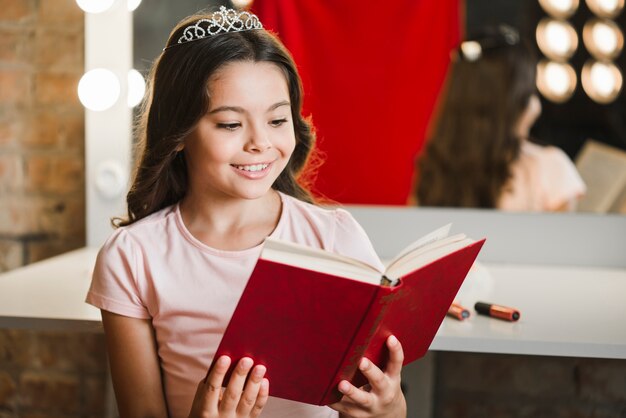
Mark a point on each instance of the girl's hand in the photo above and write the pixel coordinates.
(384, 399)
(236, 401)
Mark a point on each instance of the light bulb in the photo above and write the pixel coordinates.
(603, 38)
(95, 6)
(136, 88)
(98, 89)
(556, 81)
(556, 39)
(606, 8)
(133, 4)
(561, 9)
(602, 81)
(240, 4)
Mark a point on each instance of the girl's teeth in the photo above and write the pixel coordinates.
(257, 167)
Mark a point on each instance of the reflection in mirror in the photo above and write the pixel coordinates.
(153, 20)
(566, 123)
(479, 153)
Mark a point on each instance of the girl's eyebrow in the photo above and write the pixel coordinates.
(242, 110)
(279, 104)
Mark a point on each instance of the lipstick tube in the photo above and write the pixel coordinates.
(459, 312)
(497, 311)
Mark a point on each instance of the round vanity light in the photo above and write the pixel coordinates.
(556, 81)
(602, 81)
(133, 4)
(95, 6)
(557, 39)
(111, 179)
(603, 38)
(240, 4)
(136, 88)
(561, 9)
(606, 8)
(98, 89)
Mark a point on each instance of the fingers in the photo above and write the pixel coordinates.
(247, 391)
(233, 392)
(209, 389)
(384, 393)
(396, 357)
(379, 380)
(262, 397)
(354, 395)
(255, 393)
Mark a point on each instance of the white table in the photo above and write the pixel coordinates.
(50, 294)
(565, 311)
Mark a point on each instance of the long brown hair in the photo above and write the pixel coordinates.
(177, 99)
(466, 161)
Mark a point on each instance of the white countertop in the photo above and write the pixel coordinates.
(565, 311)
(50, 294)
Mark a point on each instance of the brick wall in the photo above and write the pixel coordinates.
(42, 202)
(42, 197)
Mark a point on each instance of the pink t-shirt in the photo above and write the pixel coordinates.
(156, 269)
(543, 179)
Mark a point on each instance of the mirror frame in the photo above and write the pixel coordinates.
(108, 133)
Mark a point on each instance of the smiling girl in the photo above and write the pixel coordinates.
(223, 141)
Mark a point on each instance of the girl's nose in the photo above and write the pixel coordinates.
(259, 141)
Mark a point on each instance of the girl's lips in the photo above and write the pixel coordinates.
(253, 171)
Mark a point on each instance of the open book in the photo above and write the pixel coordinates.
(309, 315)
(603, 169)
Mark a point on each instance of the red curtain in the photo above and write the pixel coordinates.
(371, 76)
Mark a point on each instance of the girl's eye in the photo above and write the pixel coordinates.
(278, 122)
(229, 126)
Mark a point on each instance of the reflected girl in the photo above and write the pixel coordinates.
(479, 153)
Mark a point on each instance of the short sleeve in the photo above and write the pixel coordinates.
(114, 281)
(562, 181)
(351, 240)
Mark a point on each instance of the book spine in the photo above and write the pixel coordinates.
(348, 368)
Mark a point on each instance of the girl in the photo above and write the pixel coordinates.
(223, 141)
(479, 154)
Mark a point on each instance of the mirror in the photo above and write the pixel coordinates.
(567, 124)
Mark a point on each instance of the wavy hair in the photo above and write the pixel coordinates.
(467, 158)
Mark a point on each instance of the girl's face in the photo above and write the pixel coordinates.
(244, 142)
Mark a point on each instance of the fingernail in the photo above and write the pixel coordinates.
(265, 384)
(259, 371)
(223, 361)
(343, 386)
(364, 363)
(393, 340)
(246, 362)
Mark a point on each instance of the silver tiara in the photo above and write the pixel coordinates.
(223, 21)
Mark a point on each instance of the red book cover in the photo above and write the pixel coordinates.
(310, 328)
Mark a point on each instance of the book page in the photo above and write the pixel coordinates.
(423, 241)
(603, 169)
(315, 259)
(426, 255)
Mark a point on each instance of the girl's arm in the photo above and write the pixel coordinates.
(132, 350)
(135, 370)
(385, 398)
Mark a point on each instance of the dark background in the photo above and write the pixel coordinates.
(567, 125)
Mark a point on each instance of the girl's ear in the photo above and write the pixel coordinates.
(180, 147)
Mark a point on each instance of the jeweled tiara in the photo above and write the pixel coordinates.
(223, 21)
